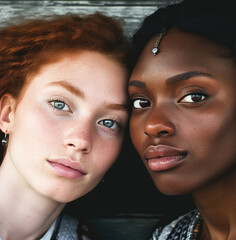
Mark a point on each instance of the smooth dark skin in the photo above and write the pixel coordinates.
(204, 125)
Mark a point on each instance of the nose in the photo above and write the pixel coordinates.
(159, 123)
(79, 138)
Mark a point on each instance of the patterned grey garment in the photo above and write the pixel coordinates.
(67, 229)
(179, 229)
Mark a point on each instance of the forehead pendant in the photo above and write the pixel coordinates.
(155, 49)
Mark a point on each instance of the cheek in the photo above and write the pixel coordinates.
(211, 145)
(34, 131)
(106, 152)
(213, 133)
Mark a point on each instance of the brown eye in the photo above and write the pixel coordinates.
(193, 98)
(141, 103)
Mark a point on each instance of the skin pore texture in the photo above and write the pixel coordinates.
(59, 131)
(183, 124)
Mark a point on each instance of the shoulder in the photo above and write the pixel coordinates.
(73, 229)
(180, 228)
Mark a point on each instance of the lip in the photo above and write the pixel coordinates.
(163, 157)
(67, 167)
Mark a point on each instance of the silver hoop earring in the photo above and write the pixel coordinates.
(4, 140)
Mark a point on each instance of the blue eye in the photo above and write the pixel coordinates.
(109, 123)
(193, 98)
(59, 105)
(141, 103)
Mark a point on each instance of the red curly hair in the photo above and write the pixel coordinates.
(26, 47)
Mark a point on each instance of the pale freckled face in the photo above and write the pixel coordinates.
(74, 109)
(185, 98)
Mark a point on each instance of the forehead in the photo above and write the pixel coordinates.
(180, 52)
(89, 71)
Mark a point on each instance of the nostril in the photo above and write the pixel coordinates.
(162, 133)
(78, 147)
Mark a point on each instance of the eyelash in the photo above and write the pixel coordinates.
(140, 99)
(119, 125)
(192, 94)
(148, 103)
(51, 103)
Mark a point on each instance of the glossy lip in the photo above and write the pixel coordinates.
(163, 157)
(67, 167)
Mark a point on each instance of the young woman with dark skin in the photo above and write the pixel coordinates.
(63, 104)
(183, 122)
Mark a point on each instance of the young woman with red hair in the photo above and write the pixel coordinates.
(63, 105)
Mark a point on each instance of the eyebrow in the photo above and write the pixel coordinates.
(79, 93)
(187, 75)
(136, 83)
(177, 78)
(74, 90)
(115, 106)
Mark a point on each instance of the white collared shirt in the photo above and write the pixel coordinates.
(48, 234)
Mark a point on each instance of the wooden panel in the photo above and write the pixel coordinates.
(130, 13)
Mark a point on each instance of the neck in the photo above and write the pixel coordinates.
(25, 214)
(216, 204)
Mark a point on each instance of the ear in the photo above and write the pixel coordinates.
(7, 108)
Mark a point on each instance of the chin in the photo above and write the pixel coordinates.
(62, 194)
(172, 191)
(65, 191)
(171, 187)
(66, 197)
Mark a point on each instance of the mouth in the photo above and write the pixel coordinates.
(66, 167)
(163, 157)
